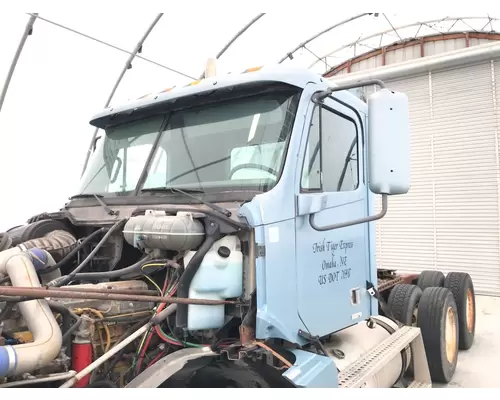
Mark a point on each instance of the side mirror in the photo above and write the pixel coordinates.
(388, 143)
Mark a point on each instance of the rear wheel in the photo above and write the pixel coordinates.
(403, 301)
(438, 321)
(430, 279)
(460, 284)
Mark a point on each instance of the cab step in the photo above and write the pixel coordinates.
(364, 368)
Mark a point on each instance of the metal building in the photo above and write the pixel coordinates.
(450, 220)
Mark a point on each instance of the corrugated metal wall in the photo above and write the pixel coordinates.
(413, 52)
(450, 220)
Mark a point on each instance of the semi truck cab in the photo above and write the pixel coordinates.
(259, 188)
(303, 158)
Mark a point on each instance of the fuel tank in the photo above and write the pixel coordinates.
(350, 344)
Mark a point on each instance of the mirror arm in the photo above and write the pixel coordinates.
(371, 218)
(320, 96)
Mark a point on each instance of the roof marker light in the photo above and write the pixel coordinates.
(167, 90)
(254, 69)
(193, 83)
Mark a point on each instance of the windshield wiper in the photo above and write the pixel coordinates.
(99, 199)
(86, 196)
(172, 189)
(186, 192)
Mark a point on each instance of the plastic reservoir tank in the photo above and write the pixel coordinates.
(219, 277)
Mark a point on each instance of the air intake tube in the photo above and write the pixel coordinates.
(21, 264)
(57, 243)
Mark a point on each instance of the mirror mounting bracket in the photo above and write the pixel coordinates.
(321, 96)
(370, 218)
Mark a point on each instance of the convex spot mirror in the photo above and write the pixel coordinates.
(388, 143)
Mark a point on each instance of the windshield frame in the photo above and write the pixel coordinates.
(294, 94)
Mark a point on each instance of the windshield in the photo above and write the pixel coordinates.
(235, 144)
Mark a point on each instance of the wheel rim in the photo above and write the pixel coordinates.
(414, 317)
(450, 335)
(469, 313)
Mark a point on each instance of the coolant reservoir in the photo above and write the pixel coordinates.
(219, 277)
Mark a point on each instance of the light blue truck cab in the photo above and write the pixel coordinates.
(289, 164)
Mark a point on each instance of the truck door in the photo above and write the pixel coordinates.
(332, 265)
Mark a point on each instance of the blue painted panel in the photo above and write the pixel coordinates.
(272, 215)
(312, 371)
(289, 294)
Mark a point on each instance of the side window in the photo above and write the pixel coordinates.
(331, 159)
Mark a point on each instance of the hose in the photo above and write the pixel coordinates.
(74, 327)
(67, 328)
(73, 252)
(5, 241)
(212, 230)
(6, 311)
(47, 336)
(58, 243)
(67, 314)
(62, 309)
(112, 274)
(66, 279)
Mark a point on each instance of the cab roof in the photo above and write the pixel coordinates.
(295, 77)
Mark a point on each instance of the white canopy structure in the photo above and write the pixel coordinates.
(58, 69)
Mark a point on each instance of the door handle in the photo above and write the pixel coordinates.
(311, 204)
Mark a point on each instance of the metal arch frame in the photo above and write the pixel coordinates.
(317, 35)
(298, 47)
(127, 66)
(395, 29)
(27, 32)
(134, 53)
(238, 34)
(110, 45)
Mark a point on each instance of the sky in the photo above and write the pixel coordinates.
(63, 78)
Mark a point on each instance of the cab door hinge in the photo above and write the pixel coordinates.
(260, 251)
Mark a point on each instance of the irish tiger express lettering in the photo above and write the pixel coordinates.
(334, 265)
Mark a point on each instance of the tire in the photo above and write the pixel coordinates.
(227, 375)
(438, 321)
(460, 284)
(403, 301)
(429, 279)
